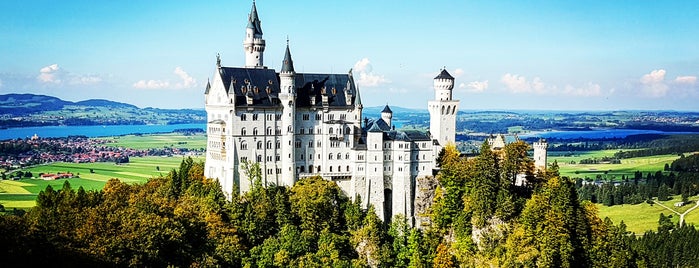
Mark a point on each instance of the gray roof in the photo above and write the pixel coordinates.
(408, 135)
(251, 82)
(379, 123)
(208, 87)
(288, 63)
(444, 75)
(254, 20)
(311, 86)
(386, 109)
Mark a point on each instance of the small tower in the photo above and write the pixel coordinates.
(540, 148)
(387, 115)
(443, 109)
(287, 96)
(253, 44)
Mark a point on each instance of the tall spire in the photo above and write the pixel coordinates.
(288, 63)
(254, 20)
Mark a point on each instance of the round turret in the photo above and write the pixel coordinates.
(443, 84)
(387, 115)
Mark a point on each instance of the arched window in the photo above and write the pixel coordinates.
(288, 129)
(331, 169)
(243, 145)
(318, 169)
(254, 131)
(347, 156)
(269, 144)
(442, 109)
(330, 156)
(330, 131)
(310, 168)
(347, 130)
(259, 145)
(243, 117)
(269, 131)
(347, 168)
(278, 145)
(339, 156)
(242, 132)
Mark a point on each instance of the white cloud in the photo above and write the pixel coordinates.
(589, 90)
(50, 74)
(689, 80)
(367, 78)
(475, 86)
(187, 81)
(519, 84)
(151, 84)
(654, 83)
(458, 72)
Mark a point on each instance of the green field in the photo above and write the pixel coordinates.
(22, 193)
(158, 141)
(644, 217)
(613, 171)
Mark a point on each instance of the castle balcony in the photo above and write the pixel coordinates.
(336, 137)
(335, 176)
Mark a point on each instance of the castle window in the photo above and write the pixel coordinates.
(254, 131)
(278, 145)
(254, 117)
(347, 168)
(310, 144)
(277, 131)
(269, 144)
(305, 116)
(277, 157)
(269, 131)
(318, 169)
(319, 116)
(288, 129)
(279, 170)
(302, 169)
(343, 116)
(278, 117)
(339, 156)
(259, 145)
(259, 158)
(331, 169)
(310, 157)
(310, 130)
(301, 156)
(269, 158)
(318, 144)
(339, 169)
(297, 144)
(347, 156)
(243, 145)
(244, 159)
(330, 131)
(331, 117)
(242, 132)
(347, 130)
(330, 156)
(310, 168)
(243, 117)
(302, 131)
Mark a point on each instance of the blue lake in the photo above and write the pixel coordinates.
(91, 131)
(596, 133)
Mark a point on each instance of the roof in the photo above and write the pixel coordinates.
(288, 63)
(386, 109)
(208, 87)
(408, 135)
(379, 123)
(375, 128)
(334, 86)
(444, 75)
(251, 82)
(254, 20)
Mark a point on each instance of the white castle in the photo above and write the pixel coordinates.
(297, 125)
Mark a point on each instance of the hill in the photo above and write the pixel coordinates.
(25, 110)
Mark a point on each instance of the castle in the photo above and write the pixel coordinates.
(297, 125)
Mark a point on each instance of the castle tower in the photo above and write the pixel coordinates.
(443, 109)
(287, 96)
(540, 148)
(253, 44)
(387, 115)
(374, 171)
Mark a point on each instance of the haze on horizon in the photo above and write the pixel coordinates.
(505, 55)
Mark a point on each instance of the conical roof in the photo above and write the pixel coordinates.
(288, 63)
(444, 75)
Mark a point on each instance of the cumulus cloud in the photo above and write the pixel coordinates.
(367, 77)
(458, 72)
(654, 83)
(519, 84)
(475, 86)
(50, 74)
(54, 74)
(186, 81)
(589, 90)
(687, 80)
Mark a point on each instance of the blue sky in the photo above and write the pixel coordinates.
(537, 55)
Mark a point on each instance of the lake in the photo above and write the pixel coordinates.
(595, 134)
(91, 131)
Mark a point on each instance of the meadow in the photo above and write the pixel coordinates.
(569, 165)
(644, 217)
(92, 176)
(192, 142)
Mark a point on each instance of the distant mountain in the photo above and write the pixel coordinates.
(376, 110)
(24, 110)
(21, 104)
(105, 103)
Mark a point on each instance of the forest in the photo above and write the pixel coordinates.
(478, 218)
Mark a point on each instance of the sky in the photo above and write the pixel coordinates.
(505, 55)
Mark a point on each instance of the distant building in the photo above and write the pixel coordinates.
(297, 125)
